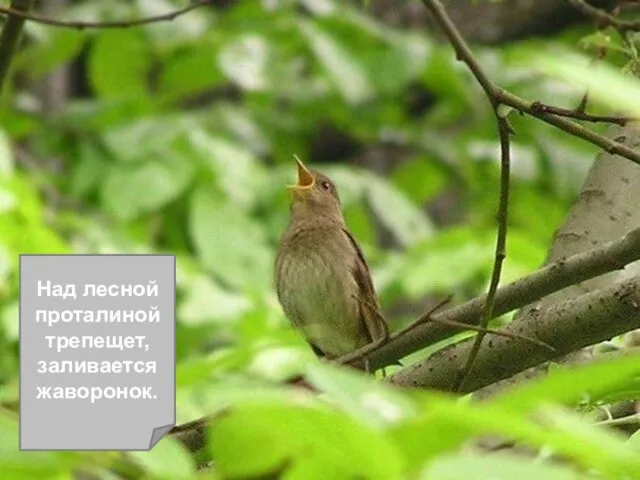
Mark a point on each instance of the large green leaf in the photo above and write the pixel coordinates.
(245, 60)
(342, 67)
(495, 467)
(19, 465)
(206, 301)
(570, 385)
(54, 47)
(363, 397)
(167, 460)
(236, 170)
(405, 220)
(299, 442)
(119, 63)
(591, 447)
(447, 261)
(6, 156)
(230, 244)
(131, 190)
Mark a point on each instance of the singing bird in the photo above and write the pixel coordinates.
(322, 278)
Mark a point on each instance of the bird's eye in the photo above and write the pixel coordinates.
(326, 185)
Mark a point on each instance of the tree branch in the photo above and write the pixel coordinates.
(501, 245)
(568, 326)
(464, 53)
(552, 278)
(603, 17)
(20, 14)
(580, 114)
(500, 95)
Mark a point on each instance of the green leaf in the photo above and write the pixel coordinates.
(403, 218)
(147, 138)
(341, 66)
(18, 465)
(359, 222)
(206, 301)
(603, 82)
(614, 457)
(167, 460)
(191, 71)
(237, 171)
(420, 179)
(131, 190)
(55, 47)
(230, 244)
(182, 30)
(299, 442)
(22, 224)
(6, 156)
(422, 440)
(9, 318)
(570, 385)
(608, 39)
(634, 440)
(364, 398)
(90, 170)
(590, 446)
(119, 63)
(406, 221)
(447, 261)
(495, 467)
(245, 61)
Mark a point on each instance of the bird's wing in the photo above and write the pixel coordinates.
(372, 320)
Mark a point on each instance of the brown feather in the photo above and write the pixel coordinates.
(322, 278)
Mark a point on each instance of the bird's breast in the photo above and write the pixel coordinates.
(316, 287)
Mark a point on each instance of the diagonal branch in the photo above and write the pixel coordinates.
(20, 14)
(552, 278)
(580, 114)
(500, 95)
(604, 17)
(568, 326)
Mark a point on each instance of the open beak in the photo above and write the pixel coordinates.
(306, 181)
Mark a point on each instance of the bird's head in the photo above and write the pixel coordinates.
(314, 195)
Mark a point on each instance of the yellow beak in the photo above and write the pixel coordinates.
(306, 180)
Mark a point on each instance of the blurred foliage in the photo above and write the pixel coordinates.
(179, 139)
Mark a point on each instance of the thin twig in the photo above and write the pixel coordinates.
(608, 145)
(501, 245)
(630, 419)
(10, 36)
(499, 333)
(22, 15)
(367, 349)
(425, 317)
(464, 54)
(545, 281)
(603, 17)
(428, 317)
(500, 95)
(580, 114)
(568, 326)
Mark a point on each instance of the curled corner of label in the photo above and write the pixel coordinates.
(158, 433)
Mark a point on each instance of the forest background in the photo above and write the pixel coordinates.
(176, 136)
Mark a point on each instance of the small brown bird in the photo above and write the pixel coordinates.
(322, 279)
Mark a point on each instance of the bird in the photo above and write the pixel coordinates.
(322, 279)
